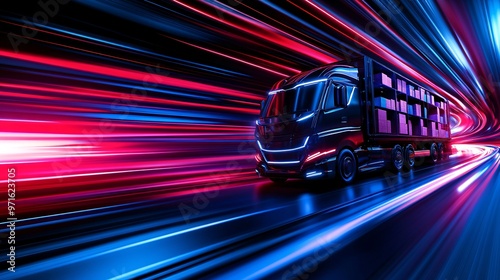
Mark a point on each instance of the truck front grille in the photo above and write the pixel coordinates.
(286, 154)
(283, 158)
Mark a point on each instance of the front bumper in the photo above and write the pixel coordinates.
(319, 170)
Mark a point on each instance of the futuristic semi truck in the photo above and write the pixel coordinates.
(349, 117)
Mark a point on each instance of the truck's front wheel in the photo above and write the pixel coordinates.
(346, 166)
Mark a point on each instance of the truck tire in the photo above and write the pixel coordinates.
(434, 153)
(397, 158)
(347, 166)
(409, 156)
(278, 180)
(440, 150)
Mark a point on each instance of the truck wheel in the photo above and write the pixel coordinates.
(346, 166)
(434, 153)
(397, 158)
(278, 180)
(409, 156)
(440, 150)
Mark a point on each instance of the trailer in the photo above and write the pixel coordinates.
(349, 117)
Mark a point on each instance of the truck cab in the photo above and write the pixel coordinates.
(310, 124)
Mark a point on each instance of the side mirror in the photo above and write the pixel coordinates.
(341, 96)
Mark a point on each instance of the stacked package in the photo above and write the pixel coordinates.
(431, 99)
(442, 131)
(383, 125)
(415, 109)
(423, 96)
(441, 105)
(433, 131)
(385, 103)
(382, 79)
(435, 116)
(403, 127)
(411, 90)
(403, 106)
(419, 93)
(401, 85)
(417, 127)
(424, 130)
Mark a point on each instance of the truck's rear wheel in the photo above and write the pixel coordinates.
(409, 156)
(434, 153)
(346, 166)
(397, 158)
(440, 150)
(278, 180)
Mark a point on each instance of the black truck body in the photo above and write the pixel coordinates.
(342, 118)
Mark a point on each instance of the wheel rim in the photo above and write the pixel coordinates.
(347, 167)
(410, 156)
(398, 159)
(434, 152)
(440, 151)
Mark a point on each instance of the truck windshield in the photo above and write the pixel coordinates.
(301, 99)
